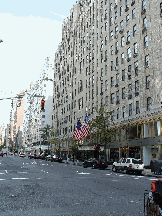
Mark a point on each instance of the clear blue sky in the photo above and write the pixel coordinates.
(31, 31)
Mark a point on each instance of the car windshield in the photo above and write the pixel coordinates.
(137, 161)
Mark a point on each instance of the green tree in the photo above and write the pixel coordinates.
(100, 127)
(45, 133)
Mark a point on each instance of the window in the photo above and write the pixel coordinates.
(143, 5)
(130, 91)
(127, 19)
(102, 87)
(123, 75)
(127, 3)
(116, 15)
(122, 41)
(111, 48)
(117, 61)
(130, 109)
(101, 17)
(128, 36)
(123, 111)
(122, 58)
(106, 24)
(133, 14)
(97, 23)
(102, 30)
(112, 81)
(111, 21)
(121, 10)
(134, 30)
(117, 79)
(147, 82)
(123, 93)
(101, 44)
(106, 39)
(105, 2)
(101, 58)
(161, 9)
(118, 113)
(112, 98)
(129, 53)
(111, 35)
(135, 48)
(145, 22)
(106, 54)
(116, 30)
(129, 72)
(111, 7)
(106, 100)
(102, 72)
(106, 14)
(115, 2)
(112, 115)
(136, 88)
(111, 65)
(102, 4)
(149, 103)
(106, 85)
(137, 107)
(106, 69)
(147, 60)
(146, 41)
(122, 27)
(116, 46)
(136, 68)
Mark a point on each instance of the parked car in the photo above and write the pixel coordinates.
(41, 156)
(1, 154)
(32, 156)
(129, 165)
(55, 158)
(101, 164)
(48, 157)
(90, 162)
(22, 155)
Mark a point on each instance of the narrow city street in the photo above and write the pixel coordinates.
(38, 187)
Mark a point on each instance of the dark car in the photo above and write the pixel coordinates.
(32, 156)
(55, 158)
(101, 164)
(41, 156)
(90, 162)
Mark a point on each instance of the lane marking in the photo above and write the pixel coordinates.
(136, 178)
(22, 172)
(19, 178)
(2, 173)
(83, 173)
(153, 179)
(108, 174)
(121, 175)
(2, 179)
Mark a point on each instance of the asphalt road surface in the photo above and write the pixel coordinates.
(37, 187)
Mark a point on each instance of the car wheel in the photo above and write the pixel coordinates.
(84, 166)
(114, 169)
(138, 172)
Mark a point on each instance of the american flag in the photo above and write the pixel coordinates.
(78, 132)
(82, 130)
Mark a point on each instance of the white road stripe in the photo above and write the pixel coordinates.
(2, 179)
(153, 179)
(83, 173)
(22, 172)
(2, 173)
(19, 178)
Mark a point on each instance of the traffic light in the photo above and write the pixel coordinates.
(42, 104)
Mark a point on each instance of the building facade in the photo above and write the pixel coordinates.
(111, 53)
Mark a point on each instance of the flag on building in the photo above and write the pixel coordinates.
(78, 134)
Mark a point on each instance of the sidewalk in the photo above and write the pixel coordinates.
(146, 172)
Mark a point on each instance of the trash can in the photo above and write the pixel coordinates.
(156, 166)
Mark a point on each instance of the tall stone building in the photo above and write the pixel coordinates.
(111, 53)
